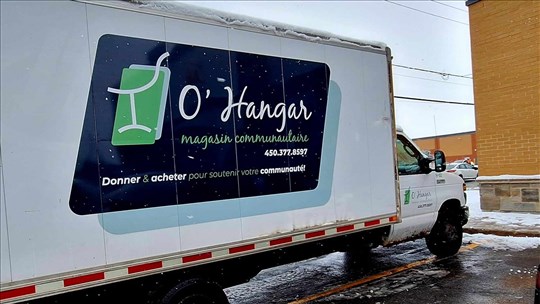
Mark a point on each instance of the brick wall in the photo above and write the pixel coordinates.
(455, 146)
(426, 144)
(505, 44)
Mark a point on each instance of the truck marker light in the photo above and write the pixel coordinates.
(241, 248)
(84, 279)
(145, 267)
(315, 234)
(19, 292)
(345, 228)
(281, 241)
(372, 223)
(197, 257)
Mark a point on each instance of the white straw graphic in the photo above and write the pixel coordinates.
(132, 93)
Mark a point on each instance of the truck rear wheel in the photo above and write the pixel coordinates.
(196, 291)
(445, 238)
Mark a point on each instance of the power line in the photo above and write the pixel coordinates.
(431, 71)
(450, 6)
(424, 12)
(435, 100)
(427, 79)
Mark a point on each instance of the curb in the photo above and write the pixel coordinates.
(501, 232)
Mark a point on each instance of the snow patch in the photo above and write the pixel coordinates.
(509, 219)
(507, 177)
(512, 219)
(502, 242)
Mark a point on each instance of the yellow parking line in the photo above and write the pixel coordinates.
(373, 278)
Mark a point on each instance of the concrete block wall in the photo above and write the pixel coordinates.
(517, 195)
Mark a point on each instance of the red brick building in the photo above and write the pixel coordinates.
(455, 146)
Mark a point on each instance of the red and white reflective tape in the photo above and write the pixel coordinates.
(67, 283)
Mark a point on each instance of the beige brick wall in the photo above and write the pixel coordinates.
(505, 44)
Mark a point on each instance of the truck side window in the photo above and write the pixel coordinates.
(407, 157)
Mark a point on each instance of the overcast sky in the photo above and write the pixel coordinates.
(423, 35)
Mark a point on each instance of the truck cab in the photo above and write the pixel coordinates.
(433, 202)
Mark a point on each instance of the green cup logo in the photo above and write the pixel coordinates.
(407, 196)
(141, 104)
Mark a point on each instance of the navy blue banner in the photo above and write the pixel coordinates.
(170, 124)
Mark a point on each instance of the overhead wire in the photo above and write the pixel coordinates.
(444, 74)
(434, 80)
(435, 100)
(450, 6)
(424, 12)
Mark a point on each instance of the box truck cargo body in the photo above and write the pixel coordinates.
(152, 139)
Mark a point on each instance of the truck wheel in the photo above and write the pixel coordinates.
(445, 238)
(360, 250)
(196, 291)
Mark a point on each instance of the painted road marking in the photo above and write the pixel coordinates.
(375, 277)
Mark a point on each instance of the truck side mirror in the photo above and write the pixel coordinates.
(425, 165)
(440, 161)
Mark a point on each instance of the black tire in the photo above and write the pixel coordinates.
(445, 238)
(360, 250)
(196, 291)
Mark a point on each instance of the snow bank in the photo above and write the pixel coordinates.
(508, 177)
(509, 219)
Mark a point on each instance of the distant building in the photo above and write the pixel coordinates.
(455, 146)
(505, 40)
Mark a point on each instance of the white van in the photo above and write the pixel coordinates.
(433, 202)
(149, 143)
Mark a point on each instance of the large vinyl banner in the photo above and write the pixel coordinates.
(173, 124)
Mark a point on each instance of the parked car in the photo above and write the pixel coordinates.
(464, 170)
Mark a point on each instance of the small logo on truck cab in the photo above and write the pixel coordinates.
(407, 196)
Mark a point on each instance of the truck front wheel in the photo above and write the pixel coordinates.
(445, 238)
(196, 291)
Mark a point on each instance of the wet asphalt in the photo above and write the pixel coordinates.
(477, 275)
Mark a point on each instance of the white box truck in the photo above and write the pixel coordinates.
(178, 152)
